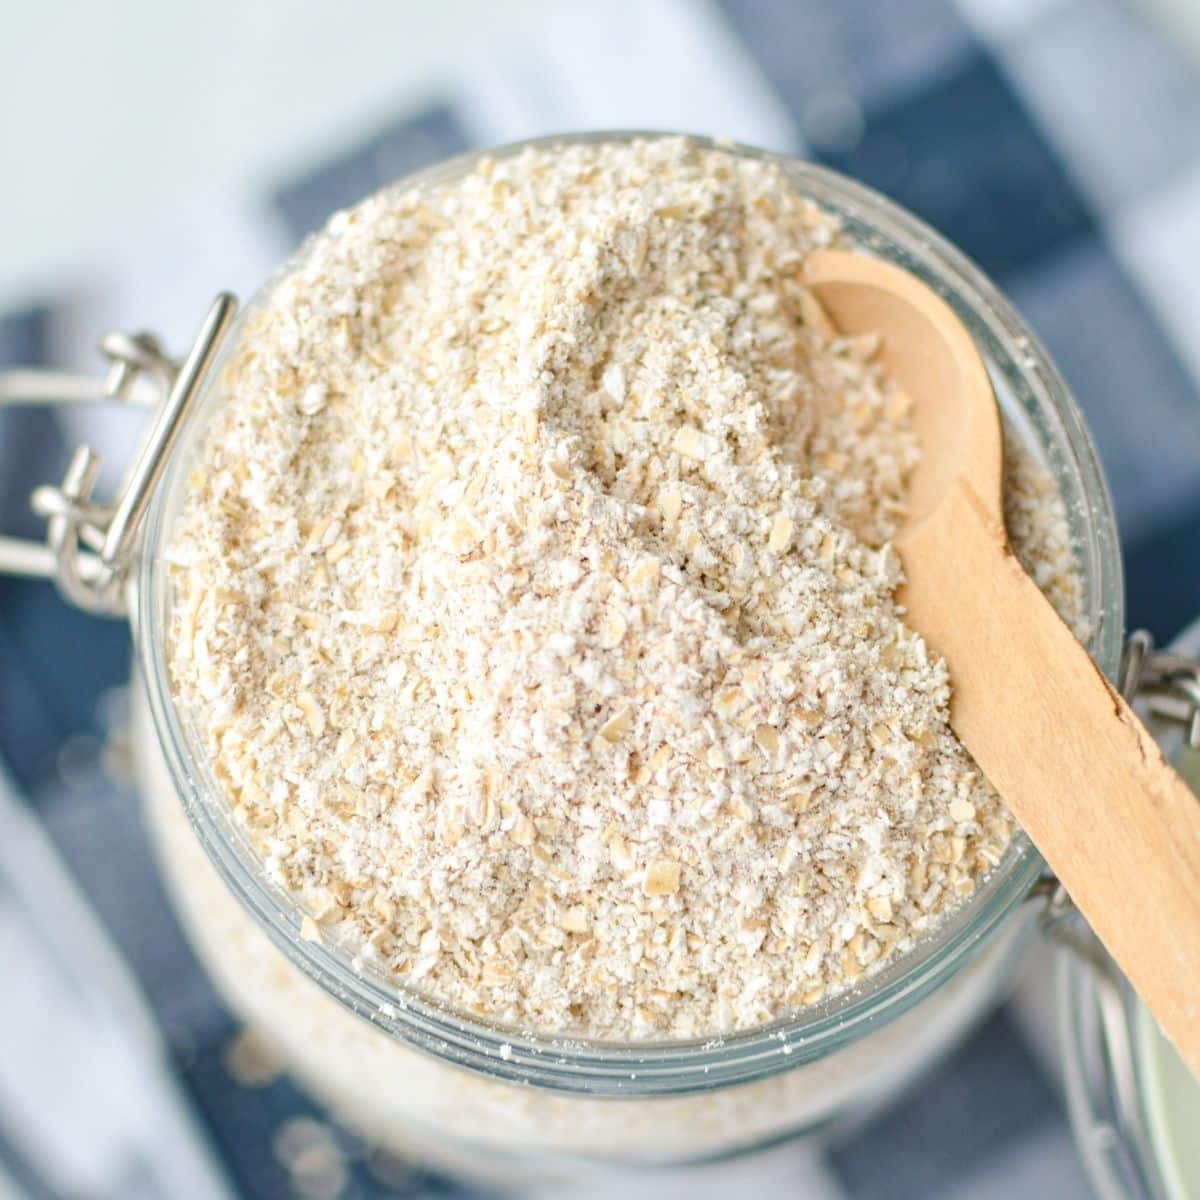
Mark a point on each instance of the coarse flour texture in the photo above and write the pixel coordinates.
(535, 605)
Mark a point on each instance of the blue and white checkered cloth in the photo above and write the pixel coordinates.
(1056, 141)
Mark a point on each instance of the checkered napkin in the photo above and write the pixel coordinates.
(1056, 141)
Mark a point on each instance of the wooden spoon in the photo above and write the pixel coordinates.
(1119, 827)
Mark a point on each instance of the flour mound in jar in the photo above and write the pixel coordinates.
(534, 601)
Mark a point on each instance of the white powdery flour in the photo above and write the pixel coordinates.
(536, 606)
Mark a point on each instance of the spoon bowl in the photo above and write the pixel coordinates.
(925, 351)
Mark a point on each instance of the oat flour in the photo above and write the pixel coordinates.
(535, 602)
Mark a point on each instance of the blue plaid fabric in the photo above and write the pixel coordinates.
(1056, 141)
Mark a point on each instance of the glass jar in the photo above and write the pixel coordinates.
(516, 1104)
(1135, 1109)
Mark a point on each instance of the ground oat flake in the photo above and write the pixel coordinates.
(535, 603)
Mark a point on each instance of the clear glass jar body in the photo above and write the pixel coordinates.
(471, 1123)
(1098, 1027)
(399, 1067)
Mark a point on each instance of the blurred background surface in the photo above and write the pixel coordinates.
(153, 154)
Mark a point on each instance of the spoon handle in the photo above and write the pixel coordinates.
(1078, 770)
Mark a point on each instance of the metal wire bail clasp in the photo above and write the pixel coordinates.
(90, 545)
(1168, 684)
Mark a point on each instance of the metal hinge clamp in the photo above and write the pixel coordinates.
(89, 546)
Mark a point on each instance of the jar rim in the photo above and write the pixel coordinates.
(668, 1067)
